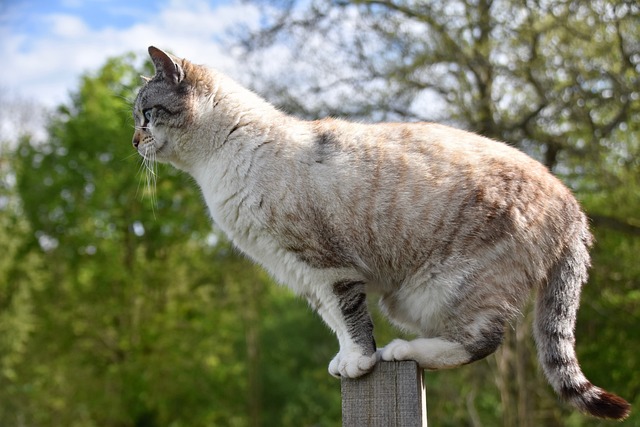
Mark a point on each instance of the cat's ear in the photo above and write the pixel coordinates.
(166, 66)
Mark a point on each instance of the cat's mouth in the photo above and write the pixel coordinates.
(151, 150)
(146, 144)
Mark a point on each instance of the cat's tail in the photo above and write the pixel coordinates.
(556, 308)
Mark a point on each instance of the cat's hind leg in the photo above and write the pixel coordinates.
(475, 341)
(430, 353)
(457, 320)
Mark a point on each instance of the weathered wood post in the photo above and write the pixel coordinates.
(392, 395)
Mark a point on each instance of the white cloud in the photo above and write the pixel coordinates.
(45, 68)
(66, 26)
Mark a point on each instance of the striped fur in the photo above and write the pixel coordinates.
(352, 302)
(451, 229)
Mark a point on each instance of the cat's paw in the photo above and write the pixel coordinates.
(397, 350)
(352, 365)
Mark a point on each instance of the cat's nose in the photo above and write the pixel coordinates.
(136, 139)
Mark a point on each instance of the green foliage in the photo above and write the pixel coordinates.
(20, 275)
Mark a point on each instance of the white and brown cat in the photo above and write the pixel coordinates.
(451, 229)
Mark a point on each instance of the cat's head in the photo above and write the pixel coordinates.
(165, 107)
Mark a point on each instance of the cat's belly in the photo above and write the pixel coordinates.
(423, 302)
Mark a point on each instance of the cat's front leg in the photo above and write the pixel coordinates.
(343, 307)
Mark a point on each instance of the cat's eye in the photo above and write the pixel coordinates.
(147, 115)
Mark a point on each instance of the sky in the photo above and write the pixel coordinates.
(46, 45)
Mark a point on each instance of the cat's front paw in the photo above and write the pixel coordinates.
(352, 365)
(396, 350)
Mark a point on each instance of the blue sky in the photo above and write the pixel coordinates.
(48, 44)
(27, 15)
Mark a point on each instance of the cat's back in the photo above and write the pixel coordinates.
(403, 189)
(424, 155)
(418, 143)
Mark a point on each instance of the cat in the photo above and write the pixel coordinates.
(451, 229)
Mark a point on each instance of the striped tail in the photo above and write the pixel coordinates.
(556, 307)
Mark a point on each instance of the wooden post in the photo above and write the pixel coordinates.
(392, 395)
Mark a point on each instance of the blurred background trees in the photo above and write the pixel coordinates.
(122, 309)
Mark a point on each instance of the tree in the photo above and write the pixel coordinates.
(558, 79)
(20, 273)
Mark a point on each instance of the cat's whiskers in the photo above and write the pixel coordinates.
(141, 173)
(148, 172)
(128, 156)
(151, 167)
